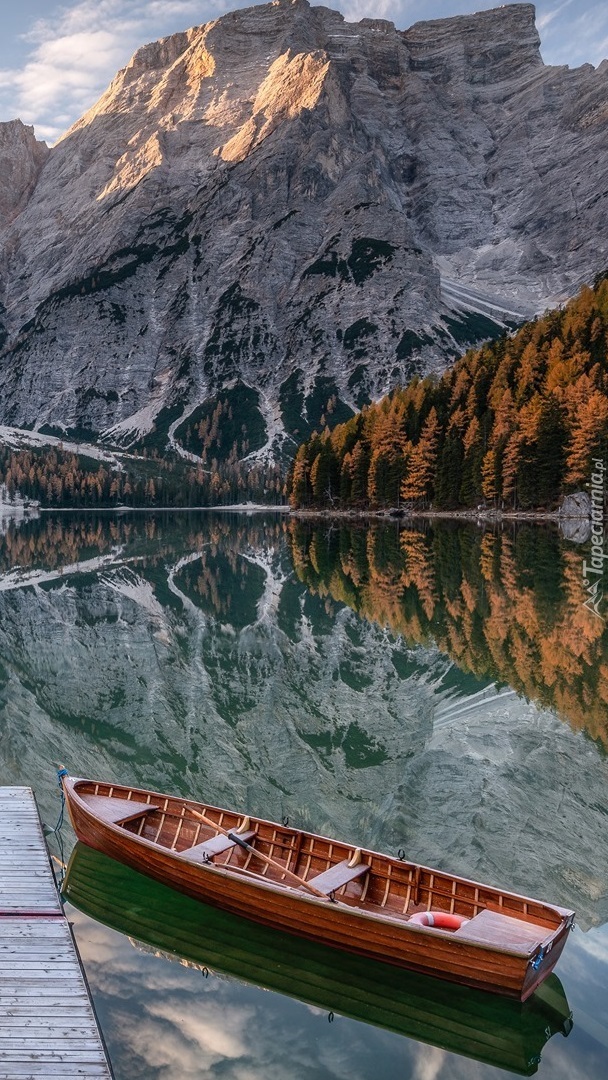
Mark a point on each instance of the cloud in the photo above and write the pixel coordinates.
(354, 10)
(572, 35)
(75, 54)
(430, 1061)
(544, 19)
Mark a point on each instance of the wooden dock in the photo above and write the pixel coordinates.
(47, 1023)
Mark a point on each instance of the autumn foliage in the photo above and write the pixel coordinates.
(53, 476)
(504, 607)
(513, 424)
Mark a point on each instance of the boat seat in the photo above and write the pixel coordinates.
(337, 876)
(214, 846)
(117, 811)
(502, 931)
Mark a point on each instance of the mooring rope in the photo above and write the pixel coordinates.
(56, 832)
(53, 832)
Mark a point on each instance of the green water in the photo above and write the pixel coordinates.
(438, 690)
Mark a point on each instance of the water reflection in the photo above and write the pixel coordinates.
(482, 1026)
(192, 660)
(364, 682)
(504, 605)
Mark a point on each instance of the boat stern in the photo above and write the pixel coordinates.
(545, 957)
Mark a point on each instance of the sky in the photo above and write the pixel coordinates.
(57, 58)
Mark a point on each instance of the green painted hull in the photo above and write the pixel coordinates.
(488, 1028)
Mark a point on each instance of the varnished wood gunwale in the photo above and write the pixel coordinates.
(496, 1030)
(370, 917)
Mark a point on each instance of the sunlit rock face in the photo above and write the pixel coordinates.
(301, 203)
(21, 159)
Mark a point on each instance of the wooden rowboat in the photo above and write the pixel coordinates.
(325, 890)
(495, 1030)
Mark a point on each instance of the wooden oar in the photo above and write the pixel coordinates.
(258, 854)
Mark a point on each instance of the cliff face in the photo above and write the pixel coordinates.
(307, 206)
(21, 159)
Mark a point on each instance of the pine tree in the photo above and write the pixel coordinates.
(419, 481)
(491, 483)
(346, 479)
(324, 479)
(299, 492)
(359, 472)
(450, 473)
(530, 411)
(589, 434)
(470, 487)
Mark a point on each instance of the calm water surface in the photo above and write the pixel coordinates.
(440, 690)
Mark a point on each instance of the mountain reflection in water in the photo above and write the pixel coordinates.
(505, 605)
(366, 683)
(183, 653)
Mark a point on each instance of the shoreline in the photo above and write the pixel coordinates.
(478, 516)
(235, 508)
(400, 517)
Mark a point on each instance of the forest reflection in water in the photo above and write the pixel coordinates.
(504, 604)
(344, 676)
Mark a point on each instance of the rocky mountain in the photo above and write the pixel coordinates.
(288, 213)
(21, 159)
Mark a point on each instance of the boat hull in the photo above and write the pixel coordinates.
(491, 1029)
(436, 953)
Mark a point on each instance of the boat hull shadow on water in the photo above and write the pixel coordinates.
(491, 1029)
(324, 890)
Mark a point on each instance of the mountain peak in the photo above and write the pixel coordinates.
(297, 210)
(487, 46)
(21, 159)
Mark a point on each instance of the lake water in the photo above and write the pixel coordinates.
(439, 689)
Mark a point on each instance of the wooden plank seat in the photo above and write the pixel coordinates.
(503, 931)
(214, 846)
(117, 811)
(336, 876)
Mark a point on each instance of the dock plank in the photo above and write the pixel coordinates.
(46, 1069)
(47, 1023)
